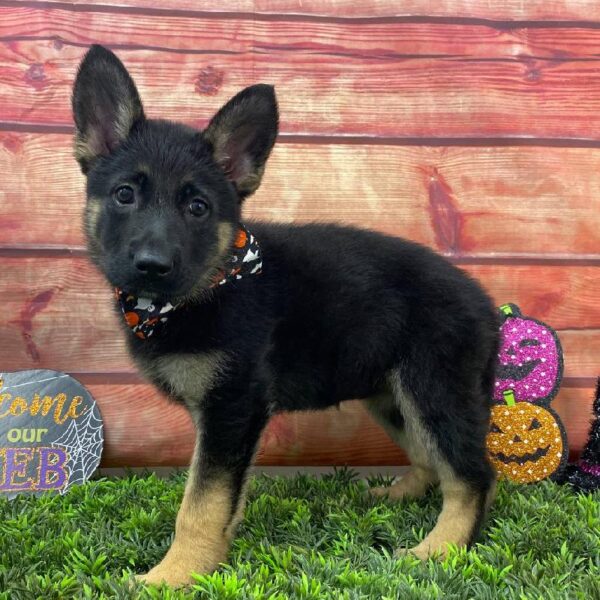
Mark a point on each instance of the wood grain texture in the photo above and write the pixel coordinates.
(372, 95)
(161, 433)
(346, 10)
(511, 201)
(328, 94)
(221, 34)
(59, 313)
(142, 427)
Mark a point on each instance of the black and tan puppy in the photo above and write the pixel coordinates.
(240, 322)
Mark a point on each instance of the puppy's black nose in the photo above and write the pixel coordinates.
(153, 263)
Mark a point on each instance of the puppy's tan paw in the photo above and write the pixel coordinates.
(173, 577)
(379, 491)
(423, 552)
(397, 491)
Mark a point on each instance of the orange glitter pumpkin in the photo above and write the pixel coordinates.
(526, 442)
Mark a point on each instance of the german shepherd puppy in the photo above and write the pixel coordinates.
(240, 322)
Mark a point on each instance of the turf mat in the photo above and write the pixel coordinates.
(302, 537)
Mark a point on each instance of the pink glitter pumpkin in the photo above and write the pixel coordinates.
(530, 360)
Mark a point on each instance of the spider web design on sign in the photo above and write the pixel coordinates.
(83, 443)
(51, 432)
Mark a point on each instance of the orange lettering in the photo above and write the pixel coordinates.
(42, 406)
(18, 404)
(3, 397)
(60, 399)
(72, 412)
(45, 405)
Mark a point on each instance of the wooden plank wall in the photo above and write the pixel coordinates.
(469, 125)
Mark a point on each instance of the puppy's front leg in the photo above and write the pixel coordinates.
(213, 501)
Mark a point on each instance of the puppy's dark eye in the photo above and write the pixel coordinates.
(198, 207)
(124, 195)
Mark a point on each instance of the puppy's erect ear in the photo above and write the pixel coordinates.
(106, 105)
(242, 134)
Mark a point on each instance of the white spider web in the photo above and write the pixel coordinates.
(83, 442)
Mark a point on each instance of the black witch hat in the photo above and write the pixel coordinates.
(584, 475)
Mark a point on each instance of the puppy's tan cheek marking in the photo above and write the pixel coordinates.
(92, 212)
(216, 257)
(224, 238)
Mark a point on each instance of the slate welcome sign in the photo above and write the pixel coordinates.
(50, 432)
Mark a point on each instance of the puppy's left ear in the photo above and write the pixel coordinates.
(242, 135)
(106, 105)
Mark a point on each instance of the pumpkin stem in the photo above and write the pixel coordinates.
(509, 397)
(506, 309)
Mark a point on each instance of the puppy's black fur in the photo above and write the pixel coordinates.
(338, 313)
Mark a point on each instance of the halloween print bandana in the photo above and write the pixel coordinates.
(147, 317)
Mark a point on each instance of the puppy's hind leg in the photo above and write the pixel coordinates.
(420, 475)
(450, 432)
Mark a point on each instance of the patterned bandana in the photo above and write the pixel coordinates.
(146, 317)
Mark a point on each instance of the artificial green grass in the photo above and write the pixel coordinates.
(302, 537)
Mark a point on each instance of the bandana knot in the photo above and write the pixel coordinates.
(146, 317)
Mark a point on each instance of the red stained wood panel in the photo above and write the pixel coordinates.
(58, 313)
(507, 10)
(563, 296)
(368, 75)
(220, 33)
(581, 350)
(143, 428)
(328, 94)
(509, 201)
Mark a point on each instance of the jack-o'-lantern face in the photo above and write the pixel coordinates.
(529, 361)
(525, 442)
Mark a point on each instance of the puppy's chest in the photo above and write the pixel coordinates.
(188, 377)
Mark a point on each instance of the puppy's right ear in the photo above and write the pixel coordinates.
(106, 106)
